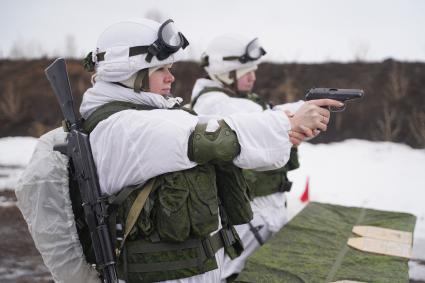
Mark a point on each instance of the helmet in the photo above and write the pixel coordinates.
(125, 48)
(231, 52)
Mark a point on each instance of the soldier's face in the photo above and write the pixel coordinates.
(160, 81)
(246, 82)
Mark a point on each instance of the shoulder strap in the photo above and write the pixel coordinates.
(135, 210)
(106, 110)
(211, 89)
(188, 110)
(251, 96)
(257, 99)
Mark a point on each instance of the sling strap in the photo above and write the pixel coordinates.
(211, 89)
(251, 96)
(135, 210)
(108, 109)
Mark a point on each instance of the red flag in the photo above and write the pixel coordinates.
(305, 197)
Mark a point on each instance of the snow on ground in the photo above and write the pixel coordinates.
(5, 202)
(16, 150)
(15, 153)
(378, 175)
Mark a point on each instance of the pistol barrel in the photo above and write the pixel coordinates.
(340, 94)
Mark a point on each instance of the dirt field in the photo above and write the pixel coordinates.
(20, 261)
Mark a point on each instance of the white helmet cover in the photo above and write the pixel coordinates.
(114, 44)
(228, 45)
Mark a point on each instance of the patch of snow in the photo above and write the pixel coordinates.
(15, 153)
(16, 150)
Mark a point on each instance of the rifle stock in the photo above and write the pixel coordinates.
(58, 77)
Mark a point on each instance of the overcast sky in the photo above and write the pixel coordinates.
(301, 31)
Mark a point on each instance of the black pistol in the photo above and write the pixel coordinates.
(342, 94)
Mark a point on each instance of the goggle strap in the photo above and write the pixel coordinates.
(137, 50)
(241, 59)
(231, 58)
(245, 58)
(133, 51)
(152, 50)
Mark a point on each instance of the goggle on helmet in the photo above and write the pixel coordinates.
(169, 41)
(253, 51)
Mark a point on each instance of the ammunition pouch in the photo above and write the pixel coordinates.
(234, 193)
(172, 232)
(182, 204)
(219, 146)
(187, 203)
(263, 183)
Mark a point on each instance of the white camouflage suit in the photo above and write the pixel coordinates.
(131, 146)
(269, 211)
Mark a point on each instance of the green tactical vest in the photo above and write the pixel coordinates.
(261, 183)
(171, 237)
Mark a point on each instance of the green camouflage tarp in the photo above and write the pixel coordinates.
(313, 248)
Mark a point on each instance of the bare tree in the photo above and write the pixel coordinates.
(70, 46)
(81, 85)
(22, 49)
(287, 90)
(338, 122)
(361, 49)
(34, 49)
(417, 125)
(37, 129)
(389, 126)
(398, 81)
(12, 105)
(17, 50)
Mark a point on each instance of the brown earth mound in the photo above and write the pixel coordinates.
(393, 108)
